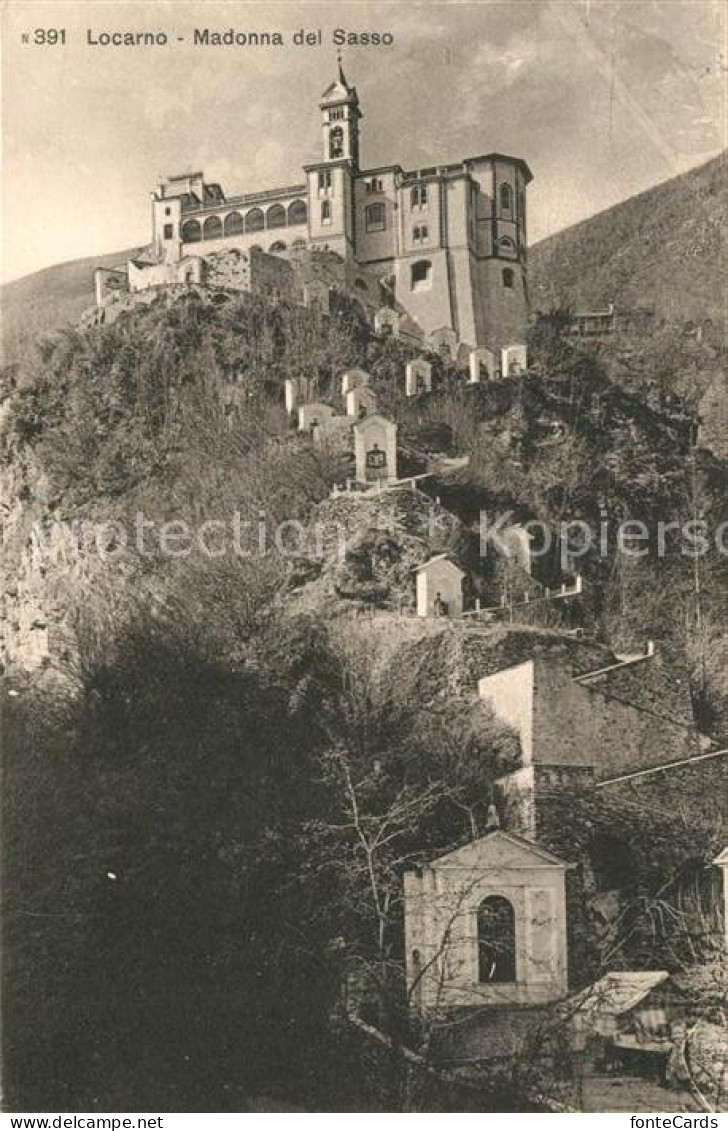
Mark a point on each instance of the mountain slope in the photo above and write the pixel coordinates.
(663, 249)
(48, 299)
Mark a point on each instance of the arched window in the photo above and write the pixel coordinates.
(508, 277)
(421, 275)
(375, 218)
(277, 246)
(336, 142)
(507, 242)
(297, 212)
(233, 224)
(191, 232)
(298, 245)
(506, 198)
(212, 228)
(254, 220)
(276, 216)
(496, 940)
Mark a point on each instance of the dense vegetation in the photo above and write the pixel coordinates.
(661, 250)
(210, 803)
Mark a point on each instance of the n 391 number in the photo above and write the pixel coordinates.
(49, 36)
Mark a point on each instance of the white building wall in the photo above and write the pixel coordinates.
(511, 695)
(439, 577)
(374, 432)
(375, 245)
(441, 929)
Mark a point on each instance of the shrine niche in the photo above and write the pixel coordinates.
(418, 377)
(360, 401)
(291, 394)
(485, 925)
(439, 588)
(444, 341)
(297, 390)
(481, 362)
(314, 419)
(375, 449)
(386, 320)
(353, 379)
(514, 360)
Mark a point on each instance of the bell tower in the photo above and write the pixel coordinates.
(340, 116)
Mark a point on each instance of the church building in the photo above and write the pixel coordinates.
(446, 243)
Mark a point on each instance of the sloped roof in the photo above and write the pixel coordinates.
(316, 406)
(450, 662)
(722, 857)
(339, 91)
(183, 176)
(649, 682)
(364, 392)
(358, 372)
(507, 849)
(620, 991)
(366, 421)
(438, 558)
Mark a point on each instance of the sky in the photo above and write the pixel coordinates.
(602, 98)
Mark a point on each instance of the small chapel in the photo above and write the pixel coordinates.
(486, 925)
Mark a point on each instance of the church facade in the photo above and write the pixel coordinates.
(447, 243)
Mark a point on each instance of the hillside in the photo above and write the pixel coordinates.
(216, 675)
(125, 419)
(663, 249)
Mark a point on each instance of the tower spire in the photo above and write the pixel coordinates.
(340, 119)
(342, 76)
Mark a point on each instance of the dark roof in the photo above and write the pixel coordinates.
(214, 192)
(620, 991)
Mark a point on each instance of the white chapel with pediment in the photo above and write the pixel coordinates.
(486, 925)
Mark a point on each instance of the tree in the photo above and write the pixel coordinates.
(155, 939)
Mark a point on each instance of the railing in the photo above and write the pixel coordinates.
(247, 198)
(412, 176)
(355, 487)
(527, 602)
